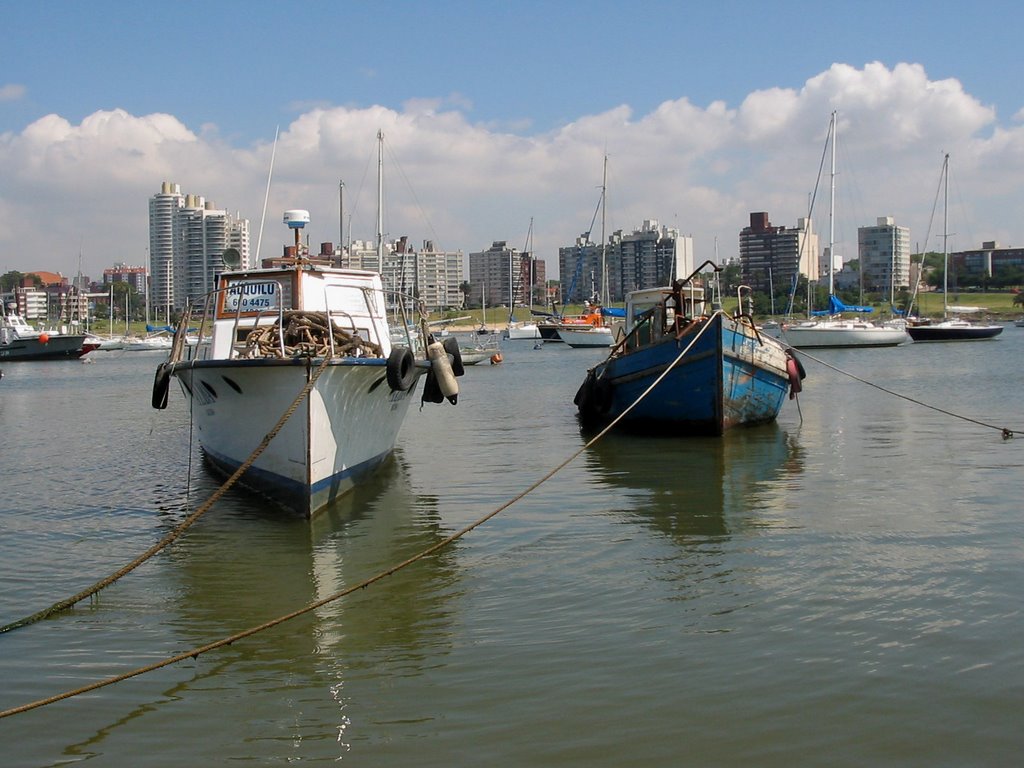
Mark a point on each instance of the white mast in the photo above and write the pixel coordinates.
(380, 201)
(604, 242)
(945, 236)
(831, 214)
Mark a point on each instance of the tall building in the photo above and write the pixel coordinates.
(648, 257)
(503, 274)
(433, 276)
(772, 258)
(439, 277)
(884, 253)
(187, 239)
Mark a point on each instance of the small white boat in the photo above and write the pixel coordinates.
(584, 336)
(489, 349)
(299, 326)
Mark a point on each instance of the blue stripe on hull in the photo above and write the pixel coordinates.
(294, 495)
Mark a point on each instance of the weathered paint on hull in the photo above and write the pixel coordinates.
(728, 378)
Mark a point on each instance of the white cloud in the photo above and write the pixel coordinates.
(12, 92)
(461, 184)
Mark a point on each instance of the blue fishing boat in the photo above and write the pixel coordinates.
(684, 368)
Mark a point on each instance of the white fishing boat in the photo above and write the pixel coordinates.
(301, 333)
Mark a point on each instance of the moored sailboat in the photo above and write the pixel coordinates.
(829, 328)
(950, 328)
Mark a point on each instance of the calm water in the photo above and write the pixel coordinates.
(841, 590)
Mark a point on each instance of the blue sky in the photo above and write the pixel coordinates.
(499, 112)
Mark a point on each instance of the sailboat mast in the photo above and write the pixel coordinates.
(604, 241)
(831, 213)
(945, 236)
(380, 200)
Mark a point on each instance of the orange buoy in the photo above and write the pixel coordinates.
(496, 358)
(43, 338)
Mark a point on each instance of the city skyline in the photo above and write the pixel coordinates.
(494, 117)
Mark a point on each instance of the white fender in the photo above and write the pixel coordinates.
(442, 368)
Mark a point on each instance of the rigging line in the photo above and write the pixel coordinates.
(419, 206)
(66, 603)
(196, 652)
(1007, 433)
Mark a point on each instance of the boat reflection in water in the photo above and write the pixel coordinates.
(251, 566)
(691, 488)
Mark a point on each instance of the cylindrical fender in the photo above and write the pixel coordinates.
(451, 346)
(795, 371)
(401, 369)
(161, 384)
(443, 371)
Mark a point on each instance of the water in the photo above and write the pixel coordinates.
(840, 590)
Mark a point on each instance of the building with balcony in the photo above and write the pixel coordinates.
(884, 254)
(773, 257)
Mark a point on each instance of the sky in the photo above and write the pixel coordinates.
(498, 114)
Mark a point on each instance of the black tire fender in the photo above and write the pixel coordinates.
(401, 369)
(161, 385)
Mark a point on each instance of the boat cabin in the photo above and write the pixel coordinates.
(253, 311)
(652, 313)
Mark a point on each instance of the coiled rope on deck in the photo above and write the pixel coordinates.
(196, 652)
(1005, 431)
(167, 540)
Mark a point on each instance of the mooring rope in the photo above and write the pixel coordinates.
(167, 540)
(1006, 432)
(196, 652)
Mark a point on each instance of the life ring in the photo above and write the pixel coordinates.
(796, 373)
(401, 369)
(451, 346)
(496, 358)
(161, 385)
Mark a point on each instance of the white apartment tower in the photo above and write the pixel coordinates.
(884, 252)
(187, 239)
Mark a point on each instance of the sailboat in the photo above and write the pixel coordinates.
(950, 328)
(521, 330)
(591, 330)
(830, 328)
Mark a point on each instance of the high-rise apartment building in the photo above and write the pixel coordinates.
(772, 258)
(502, 274)
(433, 276)
(884, 253)
(187, 239)
(648, 257)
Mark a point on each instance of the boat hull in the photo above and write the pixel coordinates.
(941, 332)
(343, 430)
(57, 347)
(582, 338)
(527, 331)
(836, 335)
(730, 377)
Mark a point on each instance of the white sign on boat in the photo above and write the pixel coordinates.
(245, 296)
